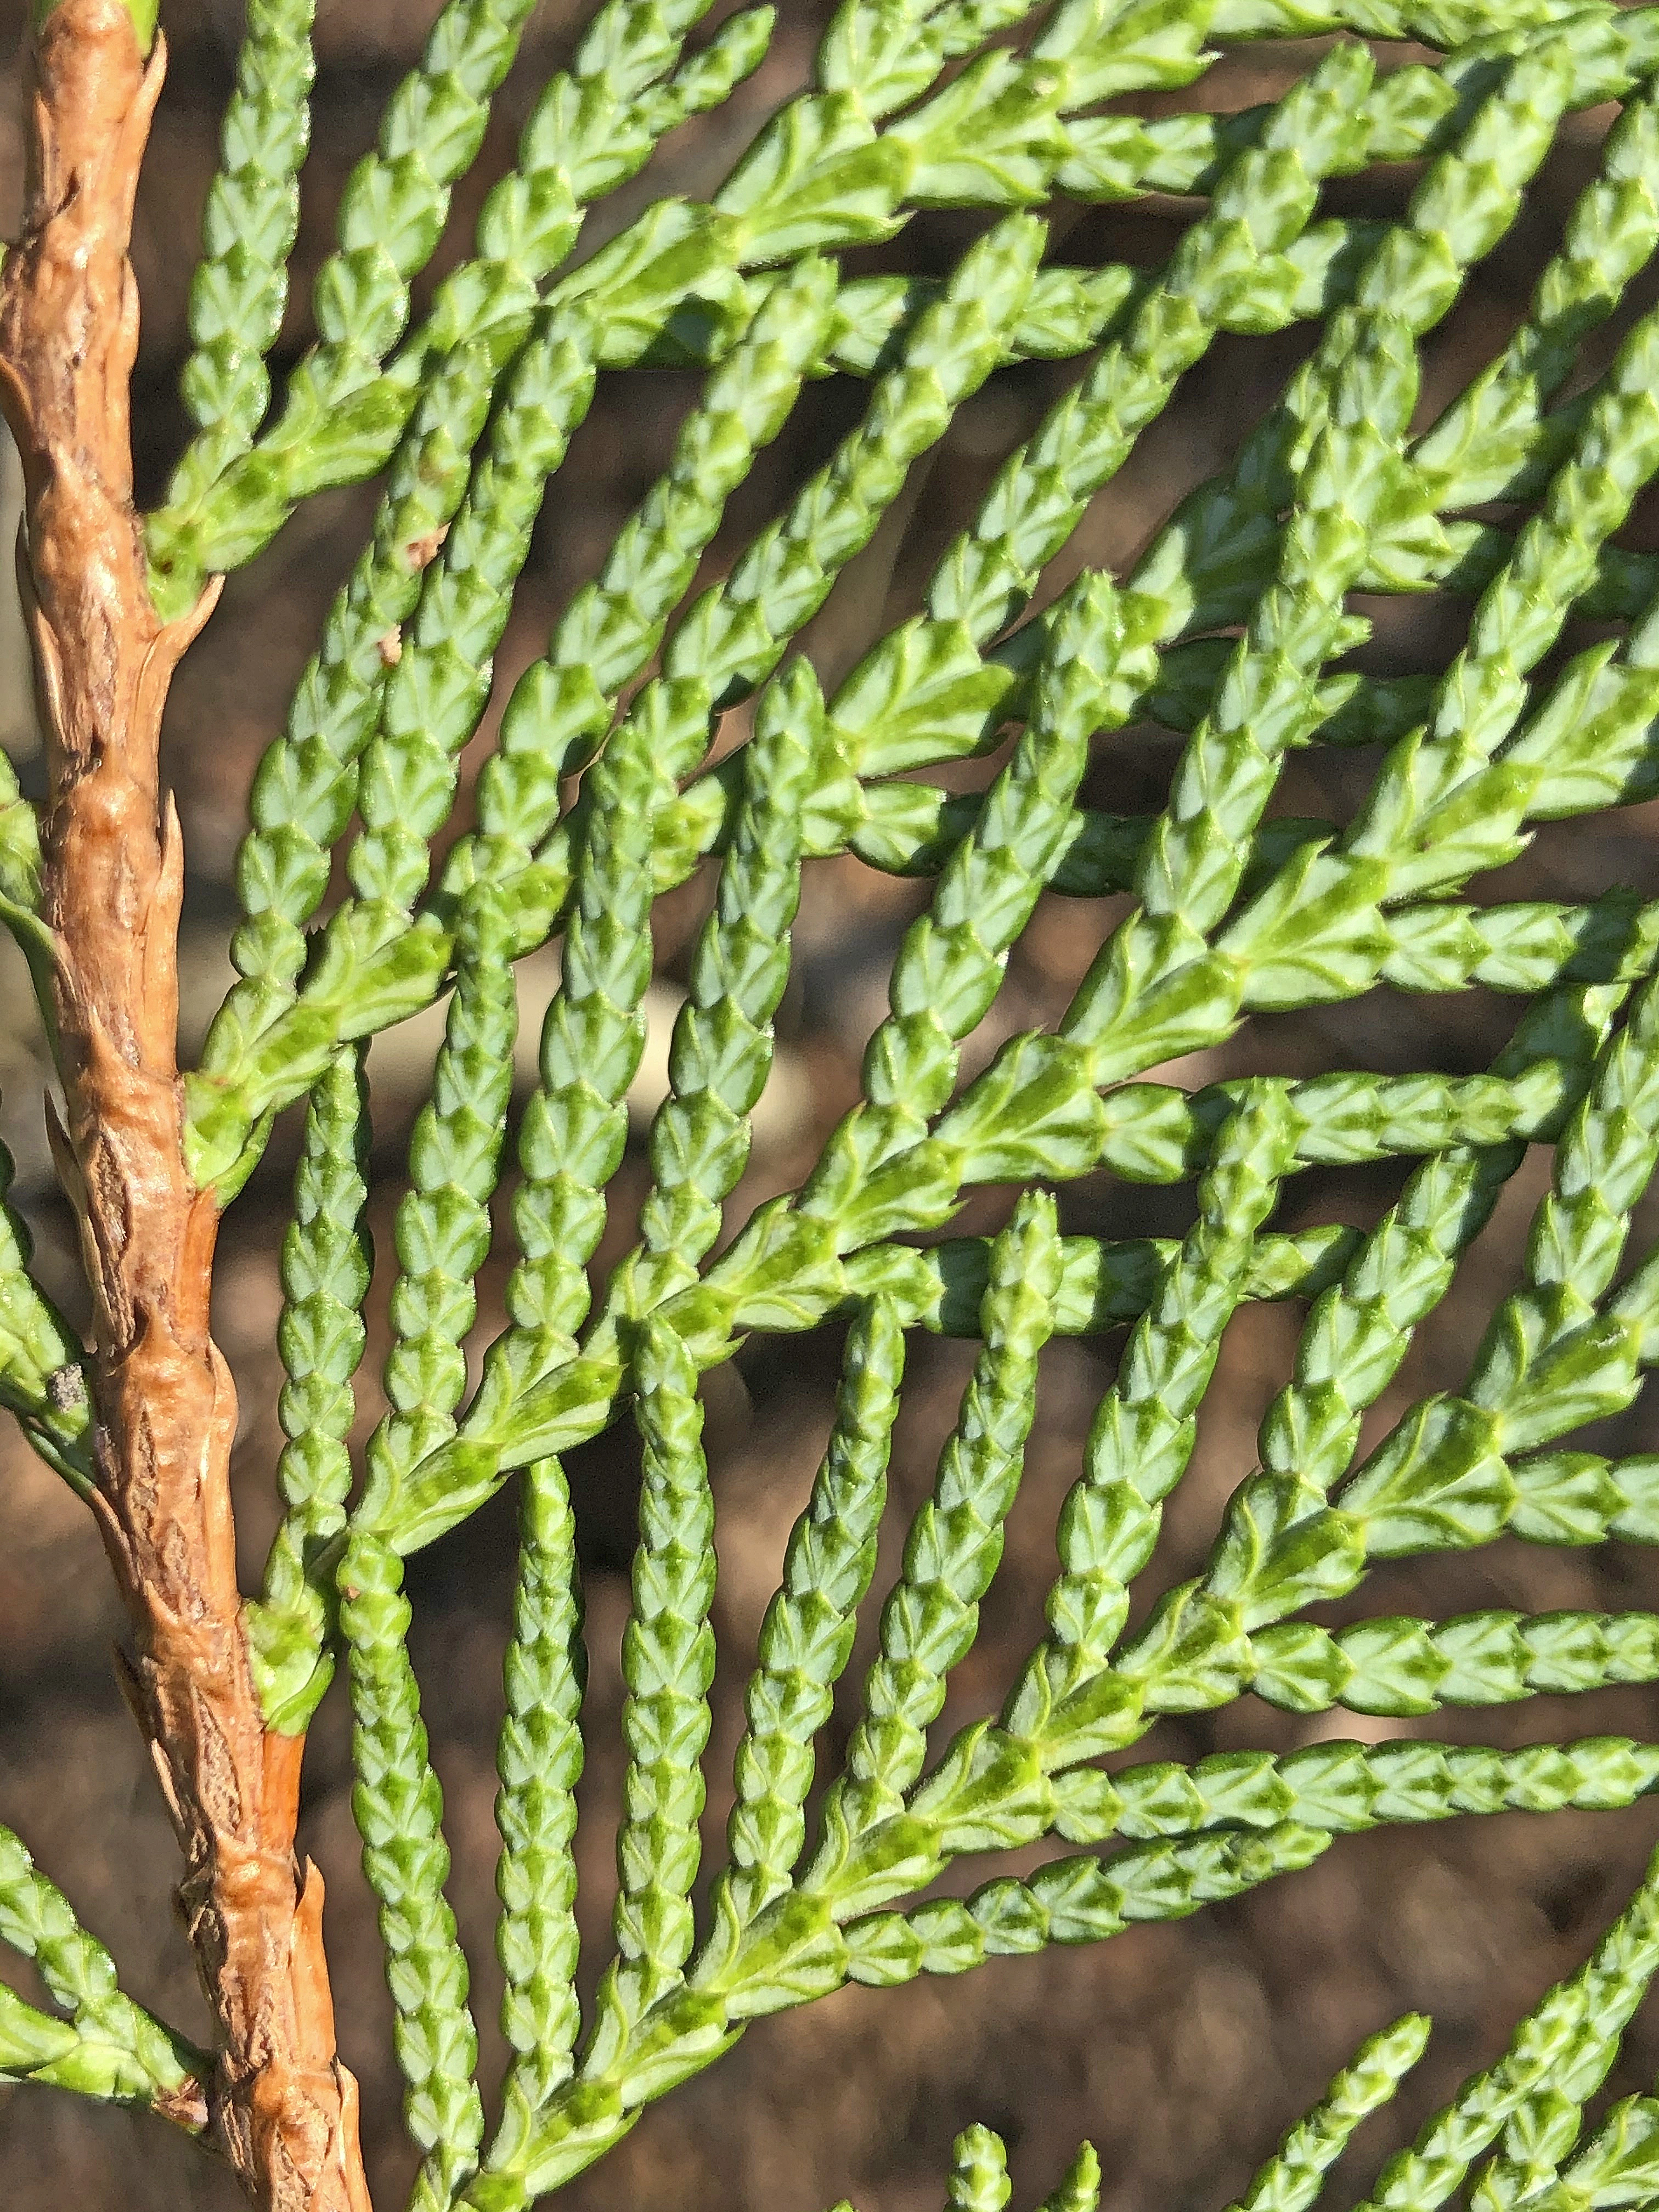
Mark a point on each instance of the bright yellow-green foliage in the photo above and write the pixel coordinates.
(1232, 631)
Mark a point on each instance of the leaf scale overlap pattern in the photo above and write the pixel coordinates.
(612, 779)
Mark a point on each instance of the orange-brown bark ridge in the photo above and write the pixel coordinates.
(284, 2107)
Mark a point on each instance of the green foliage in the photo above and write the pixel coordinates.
(1531, 2104)
(612, 778)
(108, 2046)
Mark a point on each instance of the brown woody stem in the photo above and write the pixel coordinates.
(284, 2107)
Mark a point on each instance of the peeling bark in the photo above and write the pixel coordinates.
(285, 2108)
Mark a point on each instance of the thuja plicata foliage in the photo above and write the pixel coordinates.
(598, 796)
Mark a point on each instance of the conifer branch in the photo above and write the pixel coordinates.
(615, 778)
(284, 2106)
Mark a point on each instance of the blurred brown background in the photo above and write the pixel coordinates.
(1183, 2050)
